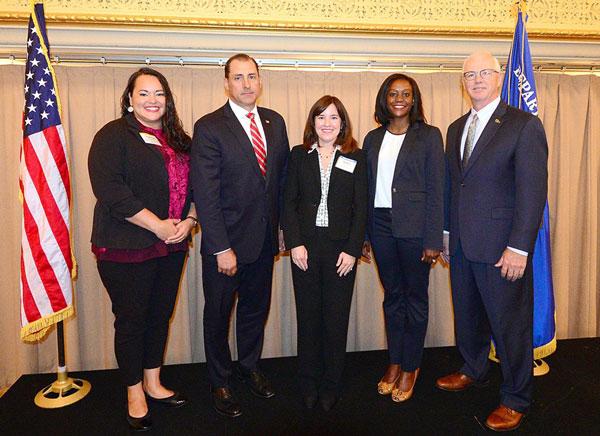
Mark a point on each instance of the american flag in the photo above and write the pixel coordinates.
(45, 188)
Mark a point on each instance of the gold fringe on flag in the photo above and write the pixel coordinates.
(36, 330)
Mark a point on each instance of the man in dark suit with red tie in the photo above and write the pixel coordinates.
(238, 160)
(496, 191)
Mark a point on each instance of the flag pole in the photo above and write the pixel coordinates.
(64, 390)
(47, 263)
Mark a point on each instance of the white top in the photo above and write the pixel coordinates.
(386, 165)
(484, 115)
(241, 115)
(322, 219)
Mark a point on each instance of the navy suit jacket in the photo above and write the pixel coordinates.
(418, 184)
(236, 205)
(498, 199)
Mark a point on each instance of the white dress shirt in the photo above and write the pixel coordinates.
(484, 115)
(241, 115)
(386, 165)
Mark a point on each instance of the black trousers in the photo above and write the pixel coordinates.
(323, 300)
(143, 297)
(252, 284)
(485, 306)
(405, 280)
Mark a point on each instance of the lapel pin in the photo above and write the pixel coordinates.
(497, 121)
(267, 121)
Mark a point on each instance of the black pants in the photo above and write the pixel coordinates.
(323, 300)
(252, 283)
(143, 297)
(405, 280)
(486, 305)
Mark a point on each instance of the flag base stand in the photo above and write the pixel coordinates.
(540, 367)
(63, 392)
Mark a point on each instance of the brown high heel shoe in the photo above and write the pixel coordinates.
(399, 396)
(385, 388)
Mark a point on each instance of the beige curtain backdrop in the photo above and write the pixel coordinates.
(569, 108)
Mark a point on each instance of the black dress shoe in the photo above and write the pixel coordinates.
(225, 403)
(310, 401)
(258, 384)
(174, 401)
(328, 400)
(139, 424)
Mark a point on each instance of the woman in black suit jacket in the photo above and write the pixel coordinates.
(324, 218)
(405, 161)
(139, 166)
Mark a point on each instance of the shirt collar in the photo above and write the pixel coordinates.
(314, 147)
(485, 113)
(239, 111)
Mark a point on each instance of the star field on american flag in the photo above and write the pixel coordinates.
(41, 109)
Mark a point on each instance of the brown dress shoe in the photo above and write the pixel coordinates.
(504, 419)
(456, 382)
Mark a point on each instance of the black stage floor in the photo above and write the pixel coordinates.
(566, 401)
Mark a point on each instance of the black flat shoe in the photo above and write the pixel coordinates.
(225, 403)
(328, 400)
(310, 401)
(258, 384)
(174, 401)
(139, 424)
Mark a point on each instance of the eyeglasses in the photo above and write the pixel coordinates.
(485, 74)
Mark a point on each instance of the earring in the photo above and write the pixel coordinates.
(130, 109)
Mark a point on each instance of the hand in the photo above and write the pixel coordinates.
(445, 254)
(165, 229)
(300, 257)
(227, 263)
(430, 256)
(513, 265)
(281, 241)
(184, 227)
(366, 251)
(345, 263)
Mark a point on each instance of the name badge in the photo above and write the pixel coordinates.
(149, 139)
(345, 164)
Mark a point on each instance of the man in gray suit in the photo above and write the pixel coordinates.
(496, 191)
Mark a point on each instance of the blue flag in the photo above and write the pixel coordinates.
(519, 91)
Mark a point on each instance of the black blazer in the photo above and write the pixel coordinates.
(418, 184)
(127, 175)
(346, 200)
(498, 199)
(234, 201)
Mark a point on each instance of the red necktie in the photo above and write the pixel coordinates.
(258, 145)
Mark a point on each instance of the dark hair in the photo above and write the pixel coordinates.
(382, 113)
(176, 137)
(344, 139)
(239, 57)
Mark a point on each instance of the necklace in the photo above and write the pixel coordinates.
(401, 133)
(325, 156)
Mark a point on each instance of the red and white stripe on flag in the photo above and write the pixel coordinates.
(46, 257)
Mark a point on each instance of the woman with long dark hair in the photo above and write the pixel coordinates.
(405, 160)
(138, 166)
(325, 212)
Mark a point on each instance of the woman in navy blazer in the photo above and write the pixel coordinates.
(324, 218)
(138, 166)
(405, 162)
